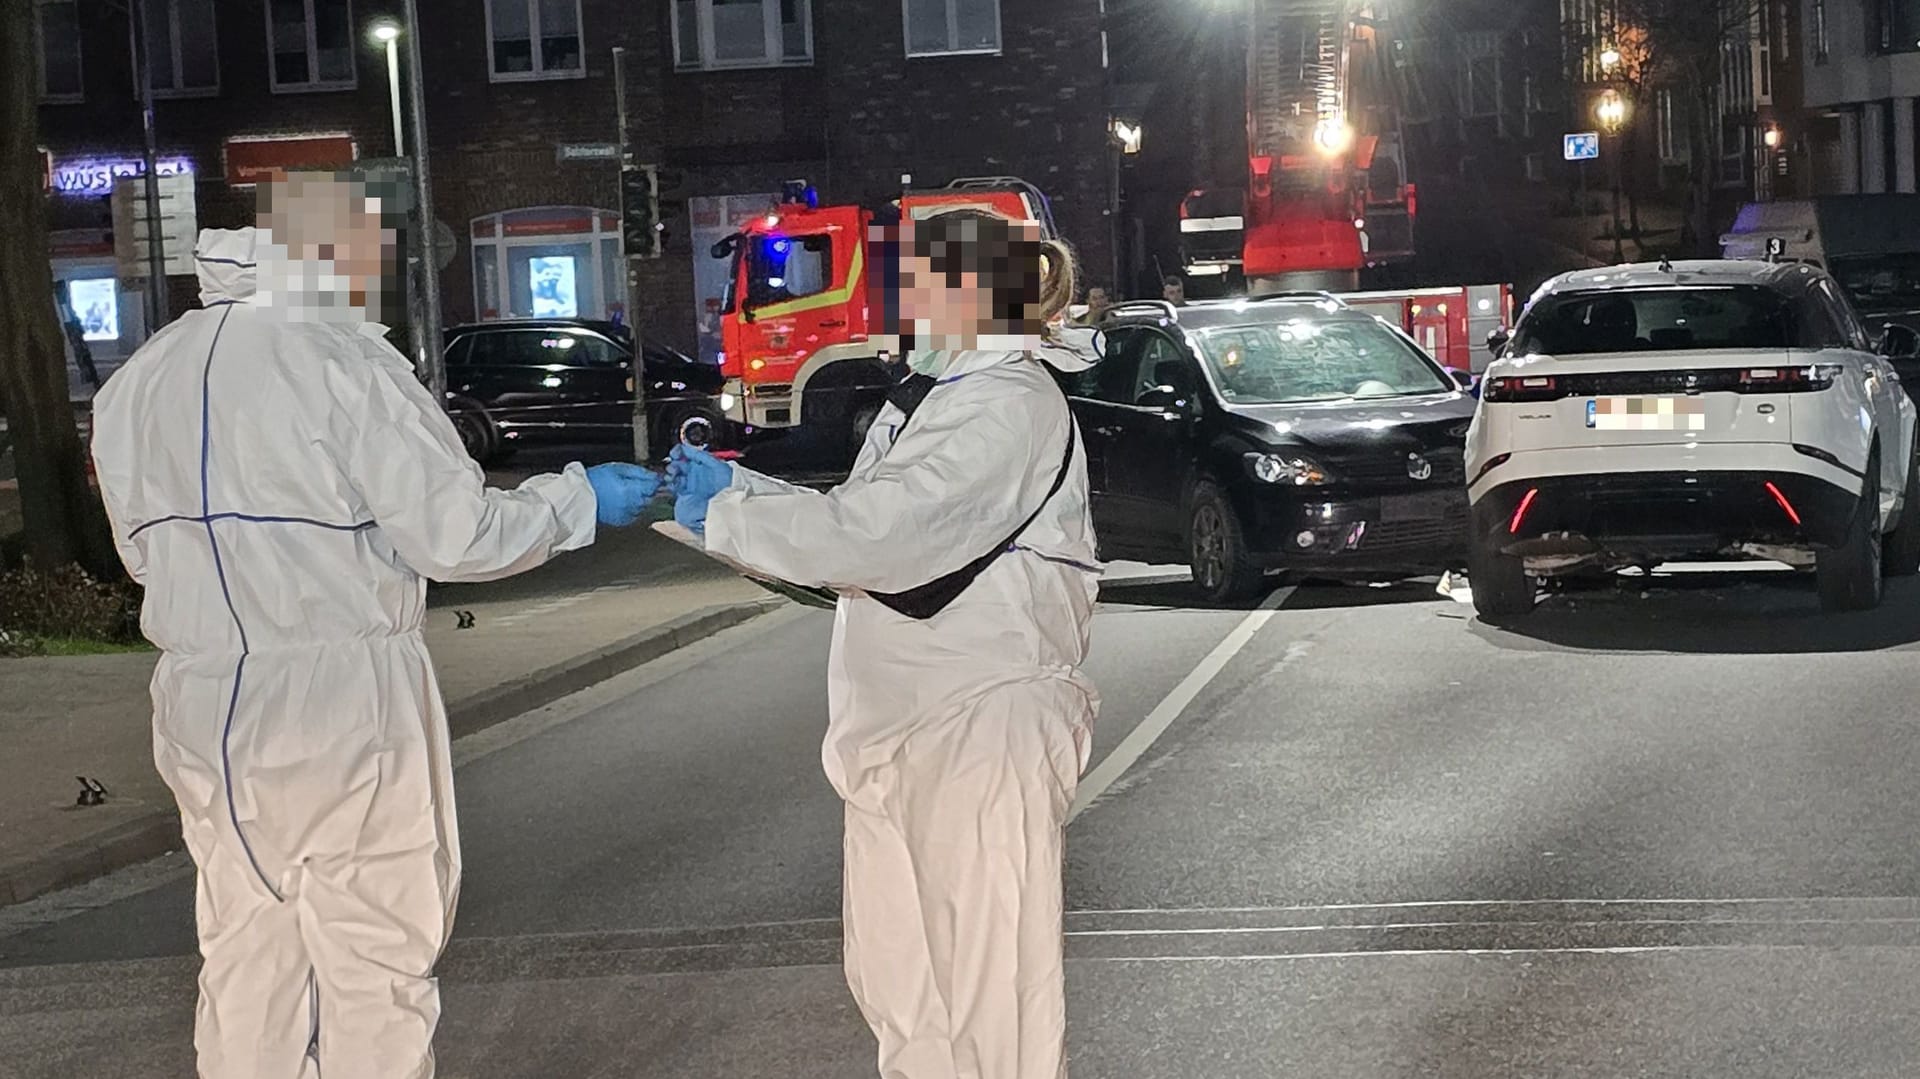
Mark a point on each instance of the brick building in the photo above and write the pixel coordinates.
(732, 96)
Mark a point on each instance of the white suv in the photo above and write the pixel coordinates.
(1692, 410)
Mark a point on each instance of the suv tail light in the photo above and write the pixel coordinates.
(1527, 388)
(1810, 379)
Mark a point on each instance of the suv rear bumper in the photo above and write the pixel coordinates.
(1639, 515)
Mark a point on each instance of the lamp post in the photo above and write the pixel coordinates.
(424, 320)
(1126, 142)
(386, 32)
(1612, 113)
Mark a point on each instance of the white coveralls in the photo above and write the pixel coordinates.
(956, 742)
(283, 485)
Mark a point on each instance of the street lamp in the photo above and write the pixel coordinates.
(387, 32)
(1609, 59)
(1612, 113)
(1129, 136)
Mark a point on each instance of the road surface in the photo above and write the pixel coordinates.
(1350, 833)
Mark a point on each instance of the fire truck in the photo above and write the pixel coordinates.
(802, 327)
(1326, 194)
(1451, 324)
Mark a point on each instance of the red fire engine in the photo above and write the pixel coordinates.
(1326, 195)
(1452, 324)
(802, 338)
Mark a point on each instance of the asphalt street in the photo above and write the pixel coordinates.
(1665, 829)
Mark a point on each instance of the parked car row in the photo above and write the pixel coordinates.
(1637, 415)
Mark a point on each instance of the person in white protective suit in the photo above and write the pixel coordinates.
(283, 485)
(956, 740)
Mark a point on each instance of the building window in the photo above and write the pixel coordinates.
(181, 46)
(1671, 130)
(1821, 46)
(943, 27)
(548, 262)
(57, 26)
(535, 39)
(311, 44)
(1480, 96)
(709, 34)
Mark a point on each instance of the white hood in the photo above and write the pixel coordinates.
(224, 261)
(246, 266)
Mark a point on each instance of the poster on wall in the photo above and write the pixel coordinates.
(96, 303)
(714, 218)
(555, 292)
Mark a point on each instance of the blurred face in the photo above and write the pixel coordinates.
(947, 287)
(1174, 292)
(333, 220)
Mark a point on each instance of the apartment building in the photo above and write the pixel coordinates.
(730, 97)
(1862, 77)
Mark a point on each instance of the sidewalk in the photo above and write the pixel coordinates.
(630, 598)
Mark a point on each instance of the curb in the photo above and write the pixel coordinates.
(157, 833)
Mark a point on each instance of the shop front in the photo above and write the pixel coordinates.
(88, 289)
(548, 262)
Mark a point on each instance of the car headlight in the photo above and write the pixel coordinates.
(726, 402)
(1284, 470)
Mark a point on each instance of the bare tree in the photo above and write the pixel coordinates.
(63, 518)
(1681, 47)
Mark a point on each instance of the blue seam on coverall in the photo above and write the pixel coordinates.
(253, 518)
(220, 571)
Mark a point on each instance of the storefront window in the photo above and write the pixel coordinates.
(550, 262)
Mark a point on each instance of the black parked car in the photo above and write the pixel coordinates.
(569, 380)
(1286, 433)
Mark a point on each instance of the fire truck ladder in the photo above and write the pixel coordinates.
(1297, 68)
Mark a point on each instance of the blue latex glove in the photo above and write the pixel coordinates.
(696, 476)
(622, 491)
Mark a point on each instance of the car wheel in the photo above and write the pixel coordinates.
(1900, 553)
(1217, 549)
(477, 432)
(1499, 583)
(667, 435)
(1850, 574)
(858, 425)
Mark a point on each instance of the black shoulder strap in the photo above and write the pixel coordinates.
(931, 598)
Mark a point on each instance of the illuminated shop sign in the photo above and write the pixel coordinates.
(96, 175)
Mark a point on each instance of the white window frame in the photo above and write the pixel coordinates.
(172, 8)
(775, 52)
(1476, 47)
(314, 84)
(953, 33)
(539, 72)
(40, 56)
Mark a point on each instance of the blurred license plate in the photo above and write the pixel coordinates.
(1647, 414)
(1430, 506)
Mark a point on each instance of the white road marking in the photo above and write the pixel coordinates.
(1141, 739)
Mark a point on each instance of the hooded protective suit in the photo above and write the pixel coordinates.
(957, 741)
(283, 485)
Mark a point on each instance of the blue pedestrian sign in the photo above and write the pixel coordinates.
(1581, 146)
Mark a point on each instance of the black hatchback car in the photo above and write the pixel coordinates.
(517, 382)
(1285, 433)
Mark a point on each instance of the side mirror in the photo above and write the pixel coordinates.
(1167, 399)
(1497, 341)
(1899, 342)
(1462, 379)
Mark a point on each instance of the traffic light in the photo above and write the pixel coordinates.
(640, 223)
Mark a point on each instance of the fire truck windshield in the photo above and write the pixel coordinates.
(782, 268)
(1316, 360)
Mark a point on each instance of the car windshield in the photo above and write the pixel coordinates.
(1656, 320)
(1880, 282)
(1316, 360)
